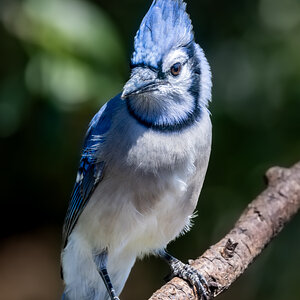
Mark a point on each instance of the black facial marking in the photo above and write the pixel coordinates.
(157, 70)
(142, 65)
(194, 89)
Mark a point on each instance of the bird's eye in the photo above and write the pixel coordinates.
(176, 69)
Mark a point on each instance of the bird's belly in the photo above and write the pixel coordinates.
(137, 214)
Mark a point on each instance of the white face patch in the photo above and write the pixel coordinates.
(175, 56)
(181, 83)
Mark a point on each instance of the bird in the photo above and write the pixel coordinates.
(143, 162)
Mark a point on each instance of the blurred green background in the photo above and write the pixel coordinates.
(60, 60)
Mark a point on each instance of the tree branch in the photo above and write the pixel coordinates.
(262, 220)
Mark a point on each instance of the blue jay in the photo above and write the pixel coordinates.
(143, 162)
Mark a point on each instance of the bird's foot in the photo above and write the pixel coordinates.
(192, 276)
(187, 273)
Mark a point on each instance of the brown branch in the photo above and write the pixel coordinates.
(262, 220)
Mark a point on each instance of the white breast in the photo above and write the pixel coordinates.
(149, 191)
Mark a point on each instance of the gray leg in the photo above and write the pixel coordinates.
(188, 273)
(101, 261)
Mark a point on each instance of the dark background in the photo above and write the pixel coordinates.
(60, 60)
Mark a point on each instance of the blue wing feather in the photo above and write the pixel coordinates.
(90, 169)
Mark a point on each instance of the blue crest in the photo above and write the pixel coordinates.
(165, 26)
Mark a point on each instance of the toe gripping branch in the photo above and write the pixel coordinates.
(187, 273)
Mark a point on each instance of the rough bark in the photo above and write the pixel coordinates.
(262, 220)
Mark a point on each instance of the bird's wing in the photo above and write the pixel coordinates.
(90, 171)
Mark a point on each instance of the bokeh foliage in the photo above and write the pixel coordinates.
(62, 59)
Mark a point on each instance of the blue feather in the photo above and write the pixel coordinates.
(90, 169)
(165, 26)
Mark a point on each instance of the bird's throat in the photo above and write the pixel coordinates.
(164, 120)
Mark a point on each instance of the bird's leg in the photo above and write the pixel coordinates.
(188, 273)
(102, 263)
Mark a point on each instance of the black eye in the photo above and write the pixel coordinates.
(176, 69)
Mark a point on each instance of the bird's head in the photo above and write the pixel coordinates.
(170, 78)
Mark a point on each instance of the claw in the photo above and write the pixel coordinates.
(189, 274)
(192, 276)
